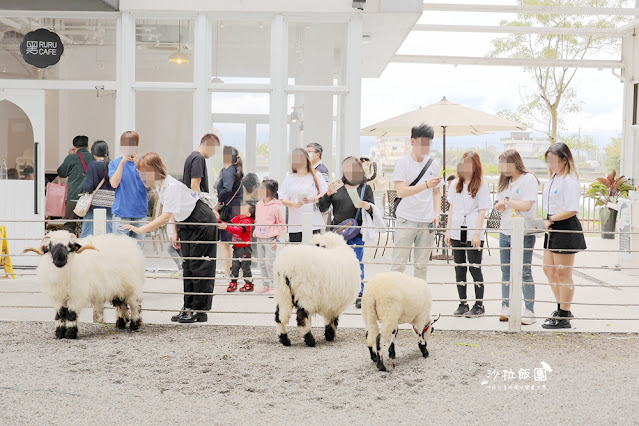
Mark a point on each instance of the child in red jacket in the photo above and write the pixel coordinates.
(241, 233)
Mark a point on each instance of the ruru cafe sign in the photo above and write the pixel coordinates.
(41, 48)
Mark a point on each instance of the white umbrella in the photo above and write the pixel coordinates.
(447, 119)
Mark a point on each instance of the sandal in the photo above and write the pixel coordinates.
(248, 287)
(232, 287)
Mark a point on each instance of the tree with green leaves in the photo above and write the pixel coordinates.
(582, 146)
(613, 154)
(545, 106)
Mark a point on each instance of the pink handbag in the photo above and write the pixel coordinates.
(56, 199)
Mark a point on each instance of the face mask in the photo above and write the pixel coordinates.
(311, 155)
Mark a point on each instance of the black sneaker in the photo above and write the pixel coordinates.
(461, 310)
(556, 324)
(477, 311)
(176, 317)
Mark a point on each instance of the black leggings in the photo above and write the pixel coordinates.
(473, 256)
(296, 237)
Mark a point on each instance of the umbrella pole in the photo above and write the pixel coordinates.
(444, 157)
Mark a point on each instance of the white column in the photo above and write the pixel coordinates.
(125, 75)
(251, 145)
(351, 110)
(202, 55)
(279, 76)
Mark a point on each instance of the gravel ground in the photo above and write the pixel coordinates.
(242, 375)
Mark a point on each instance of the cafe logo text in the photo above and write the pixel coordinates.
(41, 48)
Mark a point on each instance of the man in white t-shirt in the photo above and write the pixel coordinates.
(419, 210)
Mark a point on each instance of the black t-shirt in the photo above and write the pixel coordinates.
(195, 167)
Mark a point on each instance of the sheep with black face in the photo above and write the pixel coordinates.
(76, 273)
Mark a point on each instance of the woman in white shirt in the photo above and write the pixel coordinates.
(300, 192)
(184, 206)
(517, 195)
(561, 203)
(469, 198)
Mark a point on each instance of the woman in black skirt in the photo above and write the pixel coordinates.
(561, 203)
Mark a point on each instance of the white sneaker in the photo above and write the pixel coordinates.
(505, 313)
(528, 317)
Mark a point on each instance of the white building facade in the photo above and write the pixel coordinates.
(276, 74)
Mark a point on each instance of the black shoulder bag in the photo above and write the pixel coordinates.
(413, 183)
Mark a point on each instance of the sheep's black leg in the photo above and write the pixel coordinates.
(304, 322)
(330, 329)
(391, 348)
(72, 325)
(422, 345)
(280, 323)
(61, 320)
(136, 314)
(121, 311)
(380, 361)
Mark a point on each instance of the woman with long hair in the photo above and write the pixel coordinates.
(230, 194)
(300, 193)
(343, 208)
(561, 202)
(98, 172)
(469, 199)
(194, 235)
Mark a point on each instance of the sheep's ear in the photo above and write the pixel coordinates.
(79, 249)
(41, 251)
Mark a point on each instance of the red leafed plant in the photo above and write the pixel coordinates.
(609, 189)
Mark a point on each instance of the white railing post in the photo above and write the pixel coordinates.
(307, 227)
(99, 221)
(516, 274)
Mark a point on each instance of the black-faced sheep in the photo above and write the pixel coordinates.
(322, 277)
(76, 273)
(394, 298)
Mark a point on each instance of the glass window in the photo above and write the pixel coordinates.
(69, 113)
(312, 118)
(89, 49)
(164, 50)
(242, 120)
(241, 51)
(316, 53)
(164, 121)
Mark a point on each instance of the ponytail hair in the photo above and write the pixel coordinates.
(271, 187)
(101, 149)
(236, 160)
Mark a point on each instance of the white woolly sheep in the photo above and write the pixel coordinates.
(395, 298)
(103, 268)
(322, 277)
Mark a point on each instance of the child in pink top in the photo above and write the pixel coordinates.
(268, 212)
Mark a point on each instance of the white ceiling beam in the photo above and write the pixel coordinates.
(514, 29)
(512, 62)
(565, 10)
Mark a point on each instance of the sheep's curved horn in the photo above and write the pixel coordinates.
(39, 251)
(86, 247)
(436, 319)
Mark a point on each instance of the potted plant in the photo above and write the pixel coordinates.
(606, 192)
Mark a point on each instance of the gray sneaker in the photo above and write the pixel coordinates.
(476, 311)
(461, 310)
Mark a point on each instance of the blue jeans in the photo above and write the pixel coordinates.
(358, 247)
(118, 227)
(87, 224)
(504, 255)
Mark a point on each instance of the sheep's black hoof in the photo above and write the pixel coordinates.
(329, 333)
(380, 365)
(309, 339)
(285, 340)
(120, 323)
(135, 325)
(391, 351)
(60, 332)
(373, 356)
(424, 350)
(71, 333)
